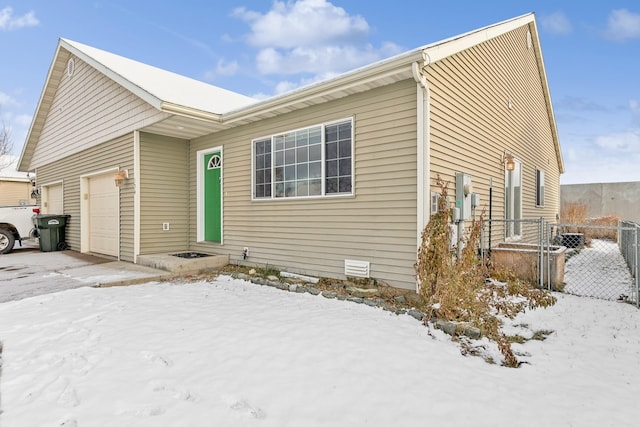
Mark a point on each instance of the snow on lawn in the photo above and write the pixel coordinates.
(231, 353)
(599, 271)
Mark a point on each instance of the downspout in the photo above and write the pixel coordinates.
(422, 143)
(136, 196)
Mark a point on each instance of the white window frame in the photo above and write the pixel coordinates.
(323, 161)
(513, 201)
(539, 188)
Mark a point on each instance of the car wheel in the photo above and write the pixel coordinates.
(7, 241)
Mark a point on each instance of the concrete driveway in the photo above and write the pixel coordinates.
(28, 272)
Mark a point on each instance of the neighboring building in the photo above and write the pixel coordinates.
(15, 187)
(602, 199)
(333, 178)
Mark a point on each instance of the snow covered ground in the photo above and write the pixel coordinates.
(231, 353)
(599, 271)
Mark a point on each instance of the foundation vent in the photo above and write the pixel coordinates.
(353, 268)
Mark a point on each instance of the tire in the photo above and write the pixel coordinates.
(62, 246)
(7, 240)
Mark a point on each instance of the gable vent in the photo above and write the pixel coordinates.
(353, 268)
(71, 67)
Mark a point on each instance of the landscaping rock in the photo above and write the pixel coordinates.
(400, 299)
(416, 314)
(273, 278)
(327, 294)
(293, 288)
(363, 293)
(469, 330)
(370, 303)
(446, 326)
(357, 300)
(313, 291)
(243, 276)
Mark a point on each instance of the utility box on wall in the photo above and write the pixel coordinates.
(463, 195)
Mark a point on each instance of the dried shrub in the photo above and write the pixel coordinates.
(576, 214)
(459, 289)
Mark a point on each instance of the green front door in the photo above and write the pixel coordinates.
(213, 197)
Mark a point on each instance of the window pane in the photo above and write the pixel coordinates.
(259, 191)
(331, 185)
(279, 174)
(278, 142)
(345, 148)
(289, 189)
(344, 185)
(332, 150)
(260, 177)
(303, 171)
(344, 131)
(345, 167)
(315, 187)
(315, 135)
(279, 158)
(303, 188)
(315, 152)
(302, 137)
(332, 168)
(290, 141)
(331, 133)
(279, 188)
(289, 173)
(302, 154)
(289, 156)
(315, 170)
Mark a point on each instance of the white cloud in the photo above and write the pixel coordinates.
(556, 23)
(620, 142)
(604, 158)
(623, 25)
(303, 23)
(314, 60)
(310, 37)
(8, 22)
(7, 101)
(634, 106)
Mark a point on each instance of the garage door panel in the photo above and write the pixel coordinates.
(103, 215)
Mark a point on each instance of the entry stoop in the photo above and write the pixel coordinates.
(183, 262)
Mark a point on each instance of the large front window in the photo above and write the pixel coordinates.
(310, 162)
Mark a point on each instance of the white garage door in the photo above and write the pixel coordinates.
(103, 215)
(54, 200)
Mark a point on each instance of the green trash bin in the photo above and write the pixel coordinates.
(52, 231)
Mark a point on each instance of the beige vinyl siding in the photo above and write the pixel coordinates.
(13, 193)
(88, 109)
(472, 124)
(115, 153)
(315, 236)
(164, 193)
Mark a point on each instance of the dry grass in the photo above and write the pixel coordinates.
(457, 289)
(576, 214)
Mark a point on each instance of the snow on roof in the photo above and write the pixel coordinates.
(8, 169)
(163, 85)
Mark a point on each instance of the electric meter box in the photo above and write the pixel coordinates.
(464, 191)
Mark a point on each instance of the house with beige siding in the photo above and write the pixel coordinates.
(16, 187)
(333, 179)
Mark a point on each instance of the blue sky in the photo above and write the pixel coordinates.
(261, 48)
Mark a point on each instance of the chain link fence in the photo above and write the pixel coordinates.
(587, 260)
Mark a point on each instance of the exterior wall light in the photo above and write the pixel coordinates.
(508, 161)
(120, 177)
